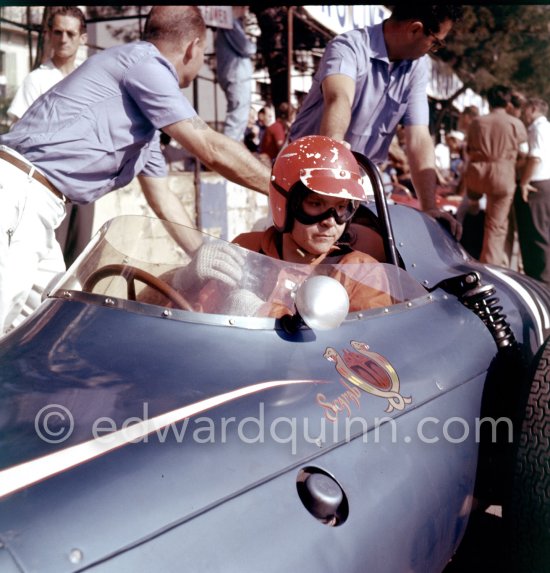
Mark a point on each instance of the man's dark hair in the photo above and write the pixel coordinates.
(173, 23)
(517, 99)
(431, 16)
(73, 11)
(284, 111)
(499, 96)
(471, 110)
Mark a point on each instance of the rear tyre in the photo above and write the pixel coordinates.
(527, 514)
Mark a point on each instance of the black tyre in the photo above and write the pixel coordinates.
(527, 513)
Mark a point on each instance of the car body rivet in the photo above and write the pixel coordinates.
(426, 282)
(109, 301)
(409, 305)
(166, 312)
(232, 321)
(413, 265)
(76, 556)
(67, 294)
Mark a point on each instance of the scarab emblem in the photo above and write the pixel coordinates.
(369, 371)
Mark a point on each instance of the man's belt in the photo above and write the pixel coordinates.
(26, 168)
(479, 157)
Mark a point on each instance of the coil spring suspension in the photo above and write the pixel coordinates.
(482, 301)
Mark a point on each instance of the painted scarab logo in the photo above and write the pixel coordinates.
(369, 371)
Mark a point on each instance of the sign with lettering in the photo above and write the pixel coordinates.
(218, 16)
(339, 19)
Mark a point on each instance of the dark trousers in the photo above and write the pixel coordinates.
(75, 231)
(533, 221)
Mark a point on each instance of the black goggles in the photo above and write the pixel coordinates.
(298, 194)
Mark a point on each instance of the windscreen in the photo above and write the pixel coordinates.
(154, 262)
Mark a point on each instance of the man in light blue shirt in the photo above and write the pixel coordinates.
(95, 131)
(234, 72)
(370, 80)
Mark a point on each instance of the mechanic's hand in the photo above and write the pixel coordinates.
(214, 260)
(243, 302)
(448, 221)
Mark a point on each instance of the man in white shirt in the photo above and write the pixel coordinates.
(532, 200)
(66, 32)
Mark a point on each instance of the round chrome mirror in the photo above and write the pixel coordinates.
(322, 302)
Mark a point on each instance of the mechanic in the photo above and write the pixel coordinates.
(496, 141)
(315, 189)
(93, 133)
(371, 79)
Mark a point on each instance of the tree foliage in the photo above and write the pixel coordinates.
(506, 44)
(493, 43)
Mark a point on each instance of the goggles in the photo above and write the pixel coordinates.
(307, 215)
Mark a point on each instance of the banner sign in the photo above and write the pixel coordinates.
(218, 16)
(338, 18)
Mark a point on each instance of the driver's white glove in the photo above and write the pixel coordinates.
(214, 260)
(242, 302)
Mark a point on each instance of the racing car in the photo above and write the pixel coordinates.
(144, 430)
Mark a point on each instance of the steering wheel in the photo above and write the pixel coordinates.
(132, 274)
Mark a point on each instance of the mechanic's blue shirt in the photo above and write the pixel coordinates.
(98, 127)
(386, 93)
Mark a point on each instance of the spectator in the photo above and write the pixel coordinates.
(455, 143)
(515, 109)
(256, 127)
(234, 72)
(347, 104)
(532, 200)
(266, 117)
(494, 142)
(470, 212)
(97, 130)
(468, 114)
(276, 134)
(442, 157)
(66, 32)
(252, 132)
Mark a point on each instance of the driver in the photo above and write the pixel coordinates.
(314, 191)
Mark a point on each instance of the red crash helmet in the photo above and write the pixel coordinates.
(319, 163)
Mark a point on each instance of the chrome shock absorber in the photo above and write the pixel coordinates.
(481, 299)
